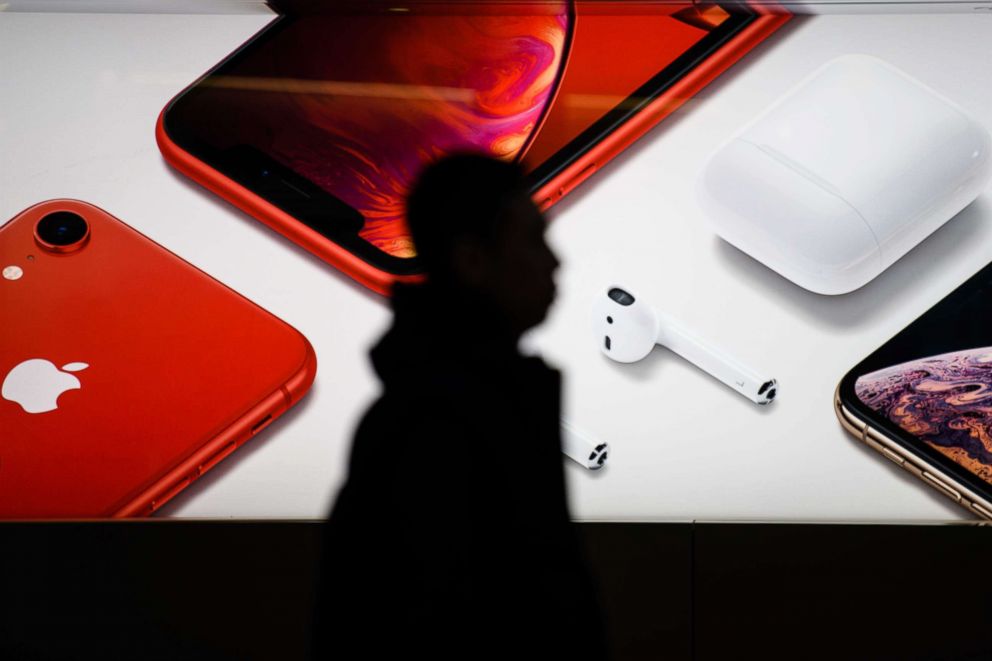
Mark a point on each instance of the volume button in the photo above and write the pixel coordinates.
(212, 461)
(935, 481)
(981, 510)
(168, 495)
(892, 456)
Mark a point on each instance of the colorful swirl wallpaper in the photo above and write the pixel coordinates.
(358, 103)
(388, 95)
(944, 400)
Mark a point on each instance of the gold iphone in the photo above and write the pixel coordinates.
(924, 398)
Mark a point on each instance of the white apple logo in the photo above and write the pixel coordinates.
(36, 384)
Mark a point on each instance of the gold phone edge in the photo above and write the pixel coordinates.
(920, 468)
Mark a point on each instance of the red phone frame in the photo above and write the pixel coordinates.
(769, 19)
(293, 384)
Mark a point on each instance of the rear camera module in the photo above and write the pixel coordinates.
(62, 231)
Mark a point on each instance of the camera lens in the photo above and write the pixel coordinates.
(61, 230)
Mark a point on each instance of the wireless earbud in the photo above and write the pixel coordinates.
(627, 329)
(580, 447)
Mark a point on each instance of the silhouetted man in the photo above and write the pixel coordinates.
(451, 536)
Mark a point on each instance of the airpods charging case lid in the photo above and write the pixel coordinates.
(844, 174)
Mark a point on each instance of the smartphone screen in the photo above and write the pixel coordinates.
(351, 106)
(930, 386)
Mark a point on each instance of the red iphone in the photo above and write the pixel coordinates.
(320, 123)
(125, 372)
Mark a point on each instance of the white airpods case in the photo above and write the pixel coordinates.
(845, 174)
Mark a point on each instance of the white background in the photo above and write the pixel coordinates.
(79, 95)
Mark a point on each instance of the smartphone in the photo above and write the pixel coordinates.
(125, 372)
(923, 399)
(319, 125)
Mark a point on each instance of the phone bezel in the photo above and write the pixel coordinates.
(574, 151)
(913, 444)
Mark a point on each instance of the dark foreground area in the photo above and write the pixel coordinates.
(158, 589)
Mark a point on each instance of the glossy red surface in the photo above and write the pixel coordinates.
(178, 369)
(611, 55)
(769, 20)
(601, 69)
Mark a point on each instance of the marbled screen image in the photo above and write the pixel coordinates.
(393, 95)
(359, 102)
(944, 400)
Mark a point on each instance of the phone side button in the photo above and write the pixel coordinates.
(935, 481)
(981, 511)
(892, 456)
(212, 461)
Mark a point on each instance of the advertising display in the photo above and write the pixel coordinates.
(205, 233)
(544, 87)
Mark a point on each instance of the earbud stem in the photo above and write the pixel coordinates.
(582, 448)
(721, 366)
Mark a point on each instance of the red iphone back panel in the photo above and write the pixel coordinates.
(127, 372)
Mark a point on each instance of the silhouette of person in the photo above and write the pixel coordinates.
(451, 535)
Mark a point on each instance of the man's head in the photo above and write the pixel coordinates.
(477, 230)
